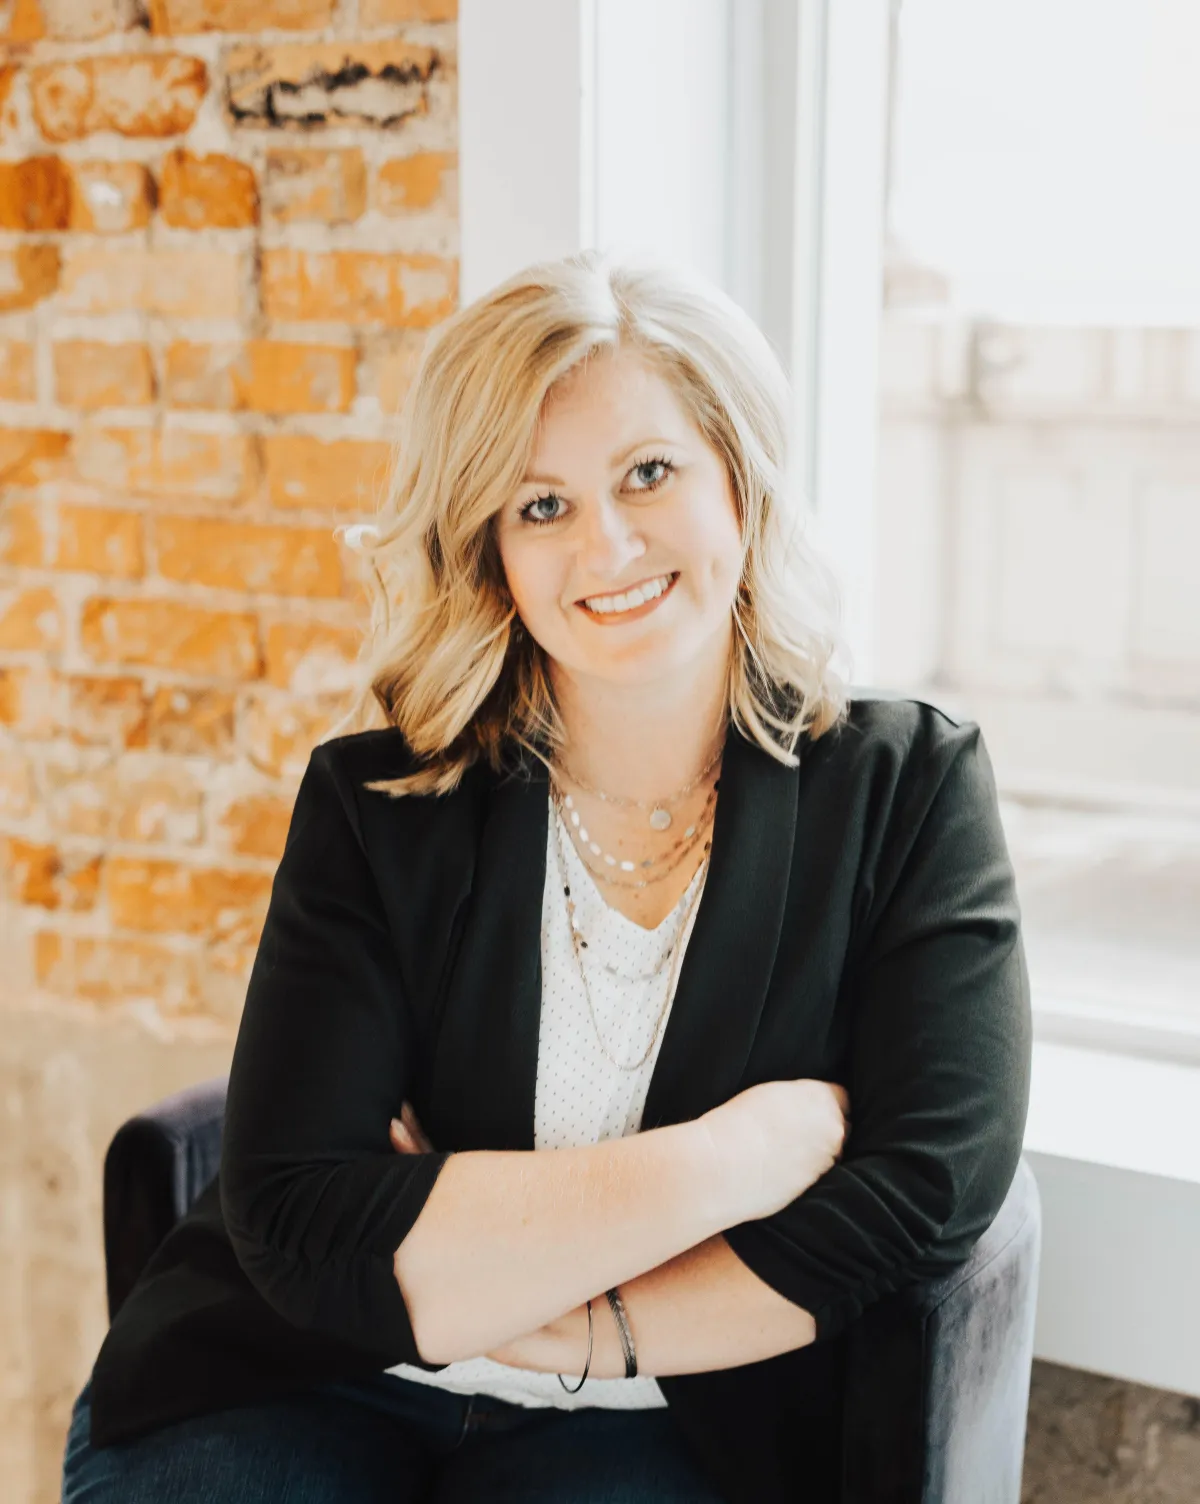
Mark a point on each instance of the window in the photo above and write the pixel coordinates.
(1038, 496)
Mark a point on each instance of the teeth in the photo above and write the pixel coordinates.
(603, 604)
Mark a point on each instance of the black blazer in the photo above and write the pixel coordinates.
(859, 924)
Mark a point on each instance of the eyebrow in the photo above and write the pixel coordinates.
(554, 480)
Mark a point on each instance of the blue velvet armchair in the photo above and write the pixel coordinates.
(937, 1376)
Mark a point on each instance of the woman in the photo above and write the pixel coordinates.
(536, 1182)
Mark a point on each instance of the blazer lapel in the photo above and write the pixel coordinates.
(485, 1066)
(730, 956)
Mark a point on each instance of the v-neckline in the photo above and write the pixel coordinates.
(484, 1071)
(609, 911)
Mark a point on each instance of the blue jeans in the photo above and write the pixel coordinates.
(390, 1439)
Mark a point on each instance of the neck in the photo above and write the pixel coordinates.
(644, 741)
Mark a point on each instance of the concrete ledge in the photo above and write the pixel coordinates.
(1114, 1141)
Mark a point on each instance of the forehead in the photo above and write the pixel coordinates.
(613, 394)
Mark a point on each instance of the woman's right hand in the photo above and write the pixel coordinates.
(777, 1139)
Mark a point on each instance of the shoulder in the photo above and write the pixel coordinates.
(332, 793)
(890, 723)
(341, 784)
(896, 750)
(365, 756)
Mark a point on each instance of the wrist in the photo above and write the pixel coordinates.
(608, 1356)
(724, 1172)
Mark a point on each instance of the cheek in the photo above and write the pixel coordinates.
(532, 576)
(716, 546)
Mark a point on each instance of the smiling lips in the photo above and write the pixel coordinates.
(629, 603)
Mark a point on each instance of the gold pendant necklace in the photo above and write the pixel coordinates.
(660, 815)
(675, 951)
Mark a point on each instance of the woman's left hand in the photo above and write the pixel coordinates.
(407, 1135)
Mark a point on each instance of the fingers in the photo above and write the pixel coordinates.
(407, 1135)
(841, 1096)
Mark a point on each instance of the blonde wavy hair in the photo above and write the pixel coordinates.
(447, 661)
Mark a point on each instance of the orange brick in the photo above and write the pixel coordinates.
(173, 461)
(35, 194)
(28, 273)
(132, 799)
(52, 960)
(139, 94)
(99, 540)
(425, 180)
(17, 789)
(257, 825)
(200, 376)
(248, 556)
(308, 83)
(279, 732)
(167, 897)
(30, 620)
(25, 22)
(329, 187)
(213, 191)
(93, 373)
(310, 657)
(13, 682)
(174, 282)
(341, 475)
(81, 20)
(109, 711)
(264, 375)
(17, 380)
(21, 537)
(29, 456)
(359, 287)
(109, 198)
(49, 878)
(30, 698)
(108, 971)
(190, 721)
(173, 18)
(276, 377)
(388, 366)
(172, 635)
(393, 12)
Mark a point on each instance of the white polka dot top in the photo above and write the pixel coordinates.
(581, 1097)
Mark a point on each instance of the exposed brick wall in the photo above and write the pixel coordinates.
(224, 227)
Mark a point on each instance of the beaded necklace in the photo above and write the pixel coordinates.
(674, 951)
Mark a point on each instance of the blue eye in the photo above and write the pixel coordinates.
(526, 512)
(536, 502)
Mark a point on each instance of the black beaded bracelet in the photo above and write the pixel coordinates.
(627, 1347)
(588, 1362)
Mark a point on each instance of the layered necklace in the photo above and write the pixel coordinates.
(660, 819)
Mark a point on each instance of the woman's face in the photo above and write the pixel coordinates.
(622, 491)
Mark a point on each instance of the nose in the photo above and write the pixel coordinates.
(609, 542)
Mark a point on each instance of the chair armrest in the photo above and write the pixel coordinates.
(937, 1375)
(156, 1166)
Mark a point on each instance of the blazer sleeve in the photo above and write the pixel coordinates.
(314, 1198)
(938, 1067)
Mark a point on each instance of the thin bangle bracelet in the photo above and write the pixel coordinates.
(626, 1335)
(588, 1363)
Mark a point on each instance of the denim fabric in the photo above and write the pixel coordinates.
(389, 1439)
